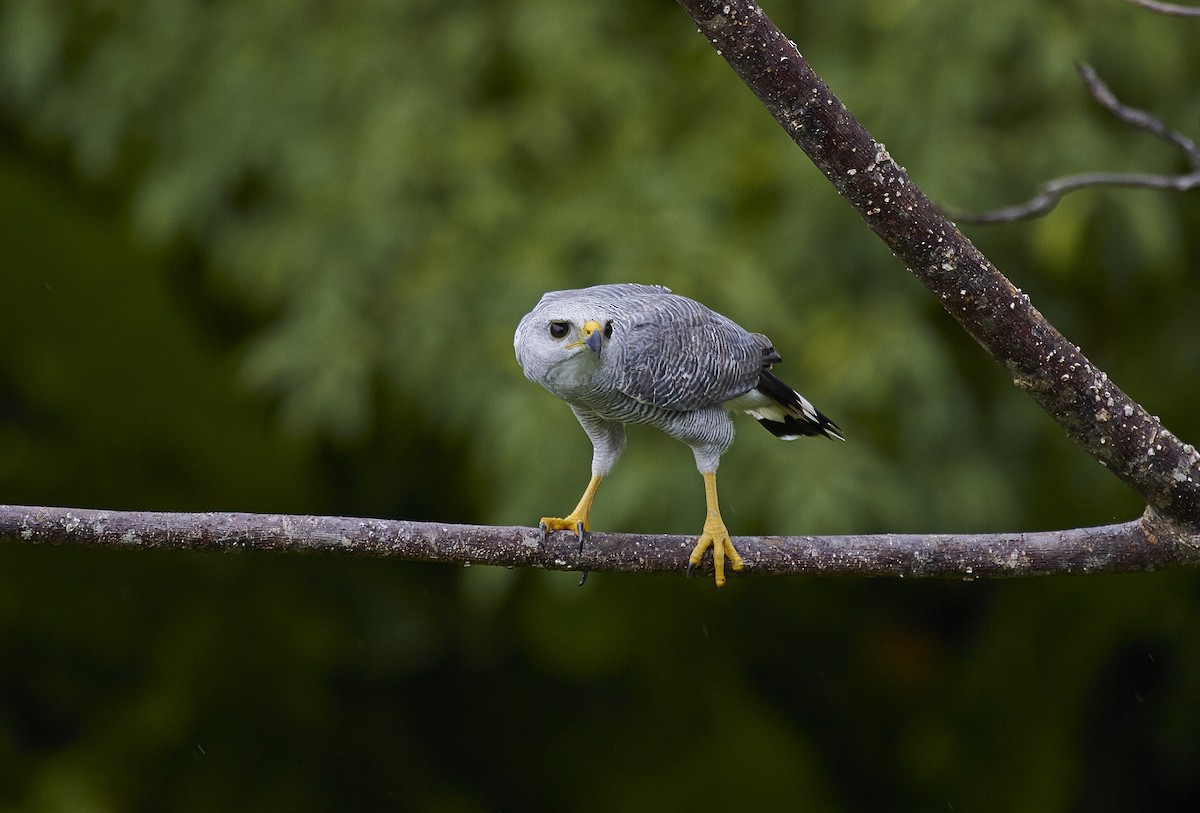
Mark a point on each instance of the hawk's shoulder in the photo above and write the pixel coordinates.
(672, 352)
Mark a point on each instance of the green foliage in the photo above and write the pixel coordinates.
(270, 256)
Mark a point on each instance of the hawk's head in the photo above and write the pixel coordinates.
(560, 342)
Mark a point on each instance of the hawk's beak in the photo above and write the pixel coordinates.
(592, 336)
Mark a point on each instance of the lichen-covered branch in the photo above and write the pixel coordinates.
(1050, 193)
(1112, 427)
(1131, 546)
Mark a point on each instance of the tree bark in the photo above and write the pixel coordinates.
(1111, 548)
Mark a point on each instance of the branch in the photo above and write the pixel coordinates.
(1112, 427)
(1137, 545)
(1050, 193)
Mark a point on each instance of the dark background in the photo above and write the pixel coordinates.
(269, 256)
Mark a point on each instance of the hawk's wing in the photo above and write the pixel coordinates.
(671, 352)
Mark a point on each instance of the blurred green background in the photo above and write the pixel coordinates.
(269, 256)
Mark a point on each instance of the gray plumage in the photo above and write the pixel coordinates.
(657, 359)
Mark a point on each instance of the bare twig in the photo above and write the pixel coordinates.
(1050, 193)
(1112, 427)
(1173, 9)
(1130, 546)
(1135, 117)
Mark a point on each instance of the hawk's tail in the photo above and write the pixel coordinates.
(787, 414)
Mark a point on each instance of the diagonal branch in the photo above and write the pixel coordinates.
(1130, 546)
(1110, 425)
(1049, 194)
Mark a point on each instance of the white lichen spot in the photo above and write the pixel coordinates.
(131, 538)
(851, 171)
(1128, 410)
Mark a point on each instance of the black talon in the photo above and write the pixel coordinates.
(689, 570)
(580, 533)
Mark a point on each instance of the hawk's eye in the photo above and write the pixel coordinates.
(559, 330)
(608, 329)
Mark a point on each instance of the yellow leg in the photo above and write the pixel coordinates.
(715, 535)
(577, 520)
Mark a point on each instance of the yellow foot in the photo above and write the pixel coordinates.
(577, 520)
(715, 536)
(575, 523)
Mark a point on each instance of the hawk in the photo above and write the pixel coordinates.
(640, 354)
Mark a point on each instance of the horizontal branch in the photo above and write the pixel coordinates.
(1131, 546)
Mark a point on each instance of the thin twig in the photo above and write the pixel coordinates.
(1049, 194)
(1172, 9)
(1135, 117)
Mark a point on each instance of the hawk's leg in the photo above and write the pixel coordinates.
(577, 520)
(715, 535)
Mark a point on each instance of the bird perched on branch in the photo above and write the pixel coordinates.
(629, 353)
